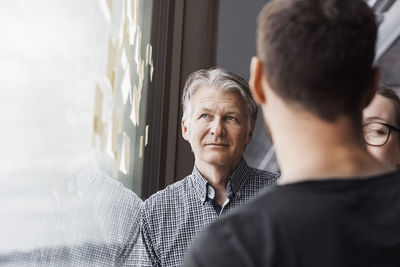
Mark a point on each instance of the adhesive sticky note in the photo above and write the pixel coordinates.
(146, 137)
(125, 154)
(126, 85)
(141, 146)
(115, 166)
(105, 8)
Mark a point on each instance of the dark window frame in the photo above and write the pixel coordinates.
(184, 38)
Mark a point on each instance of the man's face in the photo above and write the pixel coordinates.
(218, 127)
(383, 110)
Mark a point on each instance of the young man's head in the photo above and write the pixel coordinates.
(219, 115)
(318, 54)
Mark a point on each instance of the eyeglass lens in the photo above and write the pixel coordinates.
(375, 134)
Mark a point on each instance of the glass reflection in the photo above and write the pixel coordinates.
(57, 206)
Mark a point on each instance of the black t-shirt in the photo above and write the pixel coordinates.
(316, 223)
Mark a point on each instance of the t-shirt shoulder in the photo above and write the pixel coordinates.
(340, 184)
(278, 200)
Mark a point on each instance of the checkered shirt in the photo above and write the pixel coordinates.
(173, 217)
(96, 223)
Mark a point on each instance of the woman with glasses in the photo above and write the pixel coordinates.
(381, 123)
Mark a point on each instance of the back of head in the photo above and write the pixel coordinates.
(319, 53)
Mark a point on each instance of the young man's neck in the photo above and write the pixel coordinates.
(309, 148)
(217, 176)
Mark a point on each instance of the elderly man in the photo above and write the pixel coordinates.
(335, 204)
(219, 115)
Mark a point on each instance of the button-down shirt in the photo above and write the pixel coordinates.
(211, 197)
(95, 222)
(172, 218)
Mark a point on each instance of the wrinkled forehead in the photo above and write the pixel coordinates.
(206, 97)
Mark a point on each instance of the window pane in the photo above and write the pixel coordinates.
(75, 77)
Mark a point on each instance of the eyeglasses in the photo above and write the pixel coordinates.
(377, 133)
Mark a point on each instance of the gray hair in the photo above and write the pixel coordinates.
(222, 80)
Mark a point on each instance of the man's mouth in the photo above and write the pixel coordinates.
(217, 144)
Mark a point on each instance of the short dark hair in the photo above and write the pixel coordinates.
(319, 53)
(394, 97)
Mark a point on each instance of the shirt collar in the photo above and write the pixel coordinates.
(235, 184)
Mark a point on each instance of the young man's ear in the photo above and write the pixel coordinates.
(374, 86)
(185, 130)
(256, 81)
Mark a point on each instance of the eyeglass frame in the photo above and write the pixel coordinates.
(390, 127)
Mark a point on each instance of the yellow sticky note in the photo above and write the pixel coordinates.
(110, 141)
(98, 101)
(138, 96)
(128, 40)
(146, 137)
(151, 70)
(110, 4)
(114, 136)
(112, 61)
(124, 59)
(126, 85)
(134, 115)
(125, 154)
(141, 147)
(138, 46)
(116, 128)
(98, 124)
(115, 166)
(119, 118)
(105, 7)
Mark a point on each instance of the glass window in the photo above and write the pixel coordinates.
(75, 79)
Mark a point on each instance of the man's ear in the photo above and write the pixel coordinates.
(250, 135)
(256, 81)
(374, 86)
(185, 130)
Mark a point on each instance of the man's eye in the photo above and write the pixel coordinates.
(203, 116)
(230, 118)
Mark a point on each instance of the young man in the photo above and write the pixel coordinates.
(219, 115)
(335, 205)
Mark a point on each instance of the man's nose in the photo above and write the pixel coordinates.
(217, 127)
